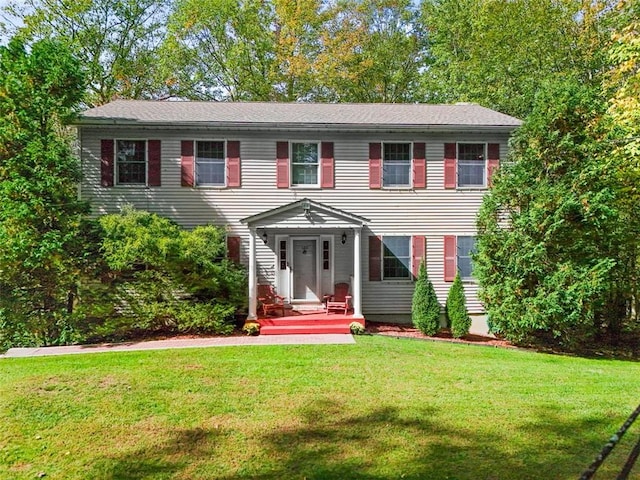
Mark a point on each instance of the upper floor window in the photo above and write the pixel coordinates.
(304, 164)
(396, 165)
(210, 163)
(471, 164)
(466, 247)
(396, 257)
(131, 162)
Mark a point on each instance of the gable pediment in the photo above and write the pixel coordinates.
(305, 213)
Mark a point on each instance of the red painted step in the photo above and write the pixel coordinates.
(317, 327)
(338, 320)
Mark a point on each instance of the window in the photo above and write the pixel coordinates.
(325, 255)
(304, 164)
(396, 165)
(471, 164)
(210, 163)
(465, 249)
(131, 162)
(282, 254)
(396, 258)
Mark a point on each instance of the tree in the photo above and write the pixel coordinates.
(372, 51)
(40, 216)
(425, 309)
(221, 50)
(116, 40)
(457, 310)
(556, 251)
(499, 53)
(309, 50)
(623, 84)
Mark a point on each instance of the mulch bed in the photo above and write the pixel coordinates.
(444, 335)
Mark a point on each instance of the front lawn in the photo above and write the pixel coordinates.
(383, 408)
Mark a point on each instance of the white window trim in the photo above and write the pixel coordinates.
(409, 185)
(471, 278)
(408, 279)
(116, 166)
(319, 167)
(484, 169)
(195, 164)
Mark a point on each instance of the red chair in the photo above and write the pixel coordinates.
(269, 300)
(339, 301)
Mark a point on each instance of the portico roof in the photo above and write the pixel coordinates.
(305, 213)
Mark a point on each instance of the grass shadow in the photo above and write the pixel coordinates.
(332, 440)
(174, 456)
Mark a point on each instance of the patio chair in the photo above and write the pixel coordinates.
(269, 301)
(339, 301)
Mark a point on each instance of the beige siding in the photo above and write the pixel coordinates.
(433, 212)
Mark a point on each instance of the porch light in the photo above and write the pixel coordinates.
(264, 237)
(343, 239)
(306, 206)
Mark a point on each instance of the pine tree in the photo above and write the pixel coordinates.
(425, 309)
(457, 310)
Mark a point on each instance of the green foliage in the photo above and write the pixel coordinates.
(498, 53)
(162, 278)
(116, 40)
(349, 51)
(564, 269)
(425, 309)
(206, 318)
(40, 216)
(456, 309)
(357, 328)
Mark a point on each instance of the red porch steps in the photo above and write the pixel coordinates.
(309, 323)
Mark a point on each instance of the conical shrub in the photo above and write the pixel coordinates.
(456, 309)
(425, 309)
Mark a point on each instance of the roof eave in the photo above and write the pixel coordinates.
(357, 220)
(245, 126)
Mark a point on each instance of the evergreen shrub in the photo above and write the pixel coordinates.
(425, 309)
(456, 309)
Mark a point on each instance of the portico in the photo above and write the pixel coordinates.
(303, 249)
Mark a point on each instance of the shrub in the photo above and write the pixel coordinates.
(356, 328)
(457, 310)
(425, 309)
(154, 277)
(206, 318)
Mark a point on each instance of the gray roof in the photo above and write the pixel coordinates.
(297, 115)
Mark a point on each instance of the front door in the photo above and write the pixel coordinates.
(305, 269)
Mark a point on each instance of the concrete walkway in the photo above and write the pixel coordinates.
(313, 339)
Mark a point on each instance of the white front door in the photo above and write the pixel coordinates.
(305, 269)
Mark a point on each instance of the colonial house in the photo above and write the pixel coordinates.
(311, 195)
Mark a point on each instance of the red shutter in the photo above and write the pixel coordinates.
(326, 170)
(282, 165)
(233, 248)
(419, 166)
(375, 259)
(450, 258)
(375, 165)
(450, 165)
(233, 163)
(418, 252)
(493, 161)
(187, 164)
(155, 170)
(106, 163)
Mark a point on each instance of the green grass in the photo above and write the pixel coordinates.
(383, 408)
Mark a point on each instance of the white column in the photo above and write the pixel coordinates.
(253, 278)
(357, 273)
